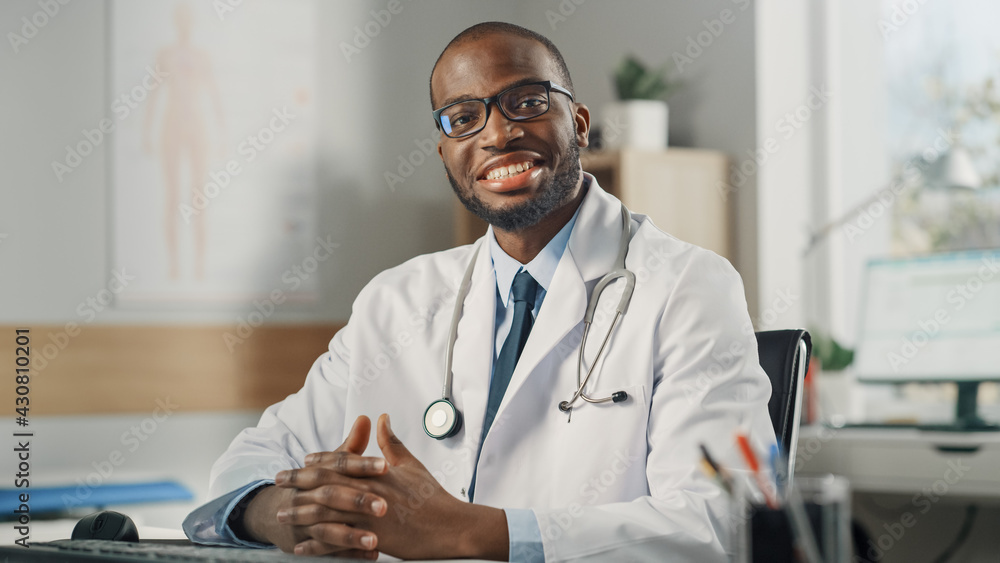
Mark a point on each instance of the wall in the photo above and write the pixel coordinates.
(58, 232)
(714, 59)
(832, 162)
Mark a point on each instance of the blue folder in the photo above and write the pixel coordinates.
(61, 499)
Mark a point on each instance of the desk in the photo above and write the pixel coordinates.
(904, 460)
(912, 489)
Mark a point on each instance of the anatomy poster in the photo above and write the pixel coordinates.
(212, 170)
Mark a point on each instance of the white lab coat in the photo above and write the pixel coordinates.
(614, 482)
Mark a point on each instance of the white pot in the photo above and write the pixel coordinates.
(639, 124)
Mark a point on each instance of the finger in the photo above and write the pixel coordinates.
(347, 463)
(310, 514)
(335, 535)
(357, 440)
(315, 475)
(392, 447)
(342, 498)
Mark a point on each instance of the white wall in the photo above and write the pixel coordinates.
(783, 87)
(54, 254)
(858, 162)
(829, 165)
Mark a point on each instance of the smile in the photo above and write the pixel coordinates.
(506, 171)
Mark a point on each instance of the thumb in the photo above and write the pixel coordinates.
(392, 447)
(357, 440)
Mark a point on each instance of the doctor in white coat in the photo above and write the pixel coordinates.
(614, 480)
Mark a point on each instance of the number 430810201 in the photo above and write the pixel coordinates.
(22, 357)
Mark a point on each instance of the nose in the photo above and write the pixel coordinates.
(498, 130)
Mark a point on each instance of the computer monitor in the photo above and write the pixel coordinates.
(933, 318)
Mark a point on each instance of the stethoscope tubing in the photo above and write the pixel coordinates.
(620, 271)
(463, 290)
(581, 385)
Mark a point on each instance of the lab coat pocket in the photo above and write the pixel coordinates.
(613, 437)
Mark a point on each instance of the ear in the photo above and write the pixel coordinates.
(581, 118)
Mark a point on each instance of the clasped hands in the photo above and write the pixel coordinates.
(348, 505)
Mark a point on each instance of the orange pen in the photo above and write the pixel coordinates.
(751, 459)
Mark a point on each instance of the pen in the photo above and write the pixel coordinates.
(715, 471)
(751, 459)
(777, 467)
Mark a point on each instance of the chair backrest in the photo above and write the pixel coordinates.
(784, 355)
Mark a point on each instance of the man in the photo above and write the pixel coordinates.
(522, 479)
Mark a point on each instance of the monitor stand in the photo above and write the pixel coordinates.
(967, 417)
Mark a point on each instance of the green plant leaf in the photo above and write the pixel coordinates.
(832, 356)
(635, 81)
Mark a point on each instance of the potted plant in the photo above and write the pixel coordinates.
(827, 376)
(639, 118)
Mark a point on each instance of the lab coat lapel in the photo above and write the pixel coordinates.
(473, 358)
(590, 254)
(595, 239)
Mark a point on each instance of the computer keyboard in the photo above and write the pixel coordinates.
(90, 551)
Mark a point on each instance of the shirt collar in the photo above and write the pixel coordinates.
(542, 267)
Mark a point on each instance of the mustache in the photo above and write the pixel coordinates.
(509, 149)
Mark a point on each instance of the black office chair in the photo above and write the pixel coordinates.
(784, 355)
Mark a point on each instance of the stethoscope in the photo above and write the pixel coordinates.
(442, 420)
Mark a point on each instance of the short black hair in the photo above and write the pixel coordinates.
(481, 30)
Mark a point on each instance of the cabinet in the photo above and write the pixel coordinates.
(681, 190)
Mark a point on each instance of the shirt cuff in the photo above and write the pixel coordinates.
(525, 536)
(209, 523)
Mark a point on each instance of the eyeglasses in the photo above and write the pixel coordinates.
(519, 103)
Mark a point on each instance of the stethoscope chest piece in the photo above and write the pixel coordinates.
(441, 420)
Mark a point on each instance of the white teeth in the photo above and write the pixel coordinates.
(505, 171)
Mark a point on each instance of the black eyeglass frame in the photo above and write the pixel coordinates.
(549, 88)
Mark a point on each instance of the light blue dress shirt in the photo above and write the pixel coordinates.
(522, 526)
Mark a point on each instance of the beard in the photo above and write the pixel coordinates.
(521, 216)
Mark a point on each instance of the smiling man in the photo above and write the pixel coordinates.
(542, 444)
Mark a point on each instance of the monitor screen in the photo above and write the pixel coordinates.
(931, 318)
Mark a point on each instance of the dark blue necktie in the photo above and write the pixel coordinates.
(524, 289)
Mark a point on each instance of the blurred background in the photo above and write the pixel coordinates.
(193, 193)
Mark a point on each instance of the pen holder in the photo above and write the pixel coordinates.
(768, 535)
